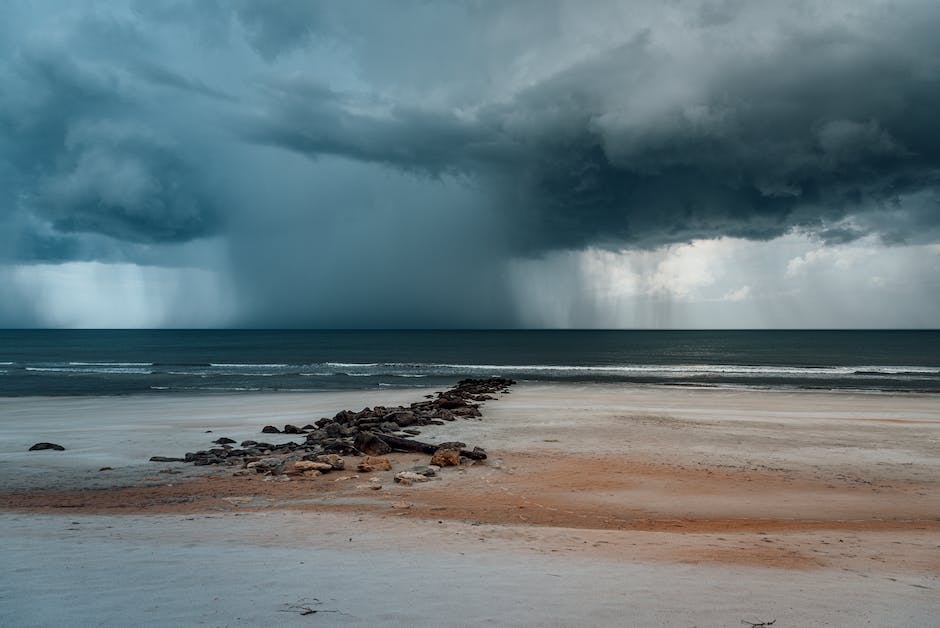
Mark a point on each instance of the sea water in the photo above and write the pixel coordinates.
(114, 362)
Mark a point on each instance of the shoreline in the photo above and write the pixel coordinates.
(806, 486)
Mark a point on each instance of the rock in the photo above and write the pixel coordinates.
(467, 411)
(167, 459)
(404, 418)
(43, 446)
(370, 464)
(446, 458)
(333, 430)
(412, 432)
(274, 466)
(292, 429)
(478, 453)
(302, 466)
(427, 471)
(407, 478)
(270, 429)
(248, 443)
(452, 444)
(223, 441)
(308, 427)
(110, 469)
(335, 461)
(370, 444)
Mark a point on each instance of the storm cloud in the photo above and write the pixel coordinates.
(369, 164)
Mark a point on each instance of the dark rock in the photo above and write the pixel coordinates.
(478, 453)
(412, 432)
(291, 429)
(333, 430)
(308, 427)
(167, 459)
(467, 411)
(43, 446)
(368, 443)
(270, 429)
(404, 418)
(223, 441)
(344, 416)
(316, 436)
(339, 446)
(451, 404)
(425, 470)
(388, 426)
(452, 444)
(248, 443)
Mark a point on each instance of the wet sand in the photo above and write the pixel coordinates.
(670, 506)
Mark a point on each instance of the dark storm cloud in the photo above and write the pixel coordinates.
(368, 153)
(81, 151)
(822, 125)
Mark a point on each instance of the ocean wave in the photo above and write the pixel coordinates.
(250, 366)
(110, 364)
(90, 370)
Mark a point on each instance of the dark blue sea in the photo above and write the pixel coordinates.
(118, 362)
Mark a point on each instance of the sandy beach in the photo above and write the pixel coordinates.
(598, 505)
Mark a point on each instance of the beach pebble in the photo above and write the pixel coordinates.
(44, 446)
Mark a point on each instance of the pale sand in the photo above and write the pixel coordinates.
(600, 505)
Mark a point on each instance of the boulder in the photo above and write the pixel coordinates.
(270, 429)
(166, 459)
(43, 446)
(446, 458)
(292, 429)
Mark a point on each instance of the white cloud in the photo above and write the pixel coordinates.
(730, 283)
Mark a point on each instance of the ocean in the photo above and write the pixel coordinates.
(122, 362)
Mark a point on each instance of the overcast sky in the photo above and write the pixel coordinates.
(723, 163)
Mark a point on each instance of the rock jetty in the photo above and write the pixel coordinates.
(370, 432)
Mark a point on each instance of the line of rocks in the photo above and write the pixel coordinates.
(370, 432)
